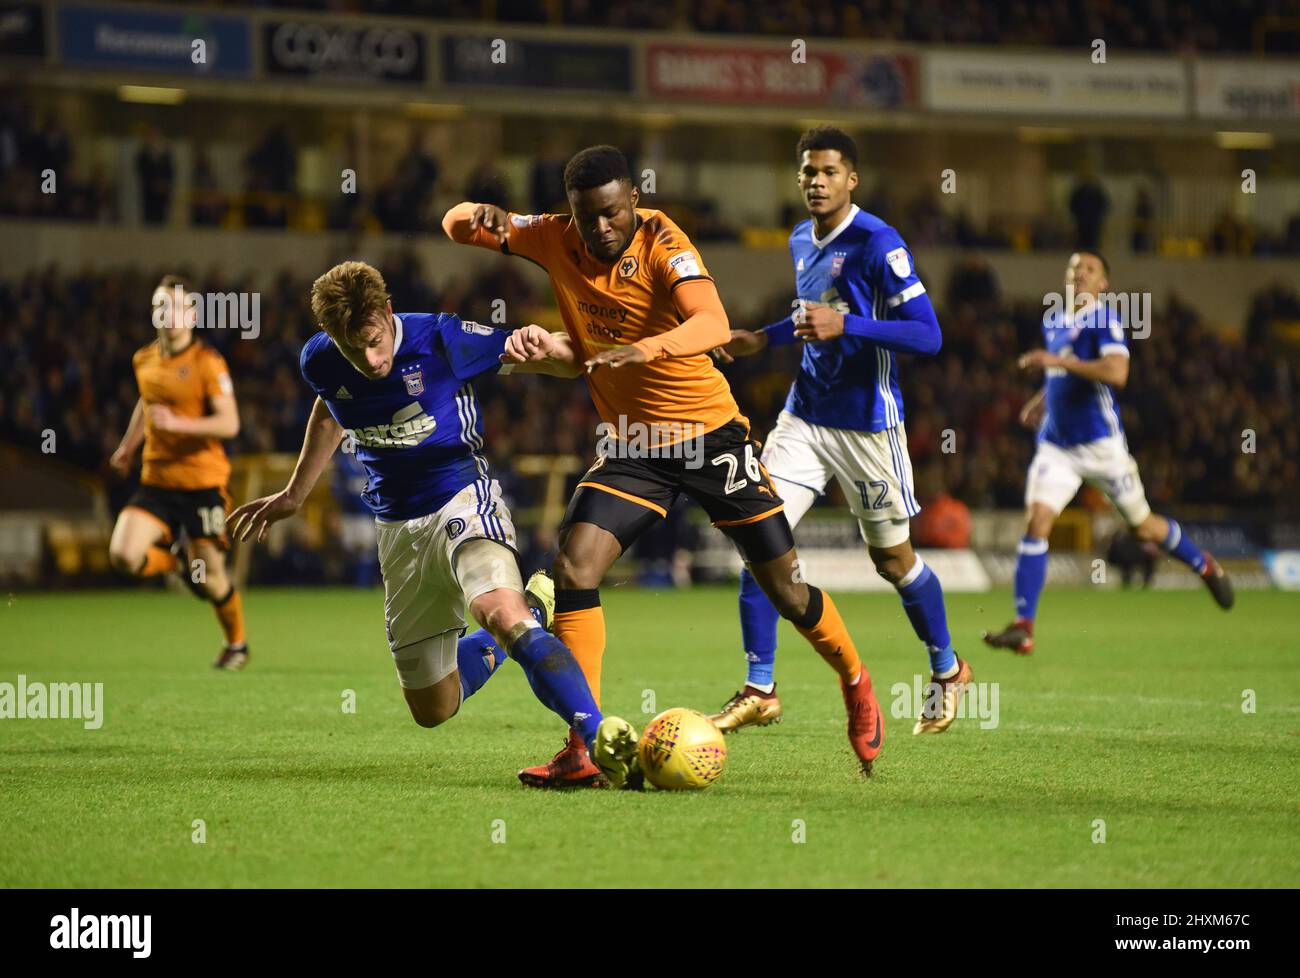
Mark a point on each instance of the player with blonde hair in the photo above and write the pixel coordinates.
(398, 388)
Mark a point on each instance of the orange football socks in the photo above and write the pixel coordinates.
(580, 624)
(825, 631)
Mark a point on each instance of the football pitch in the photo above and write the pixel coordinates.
(1119, 754)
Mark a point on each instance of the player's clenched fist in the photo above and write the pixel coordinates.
(817, 322)
(492, 219)
(162, 418)
(528, 344)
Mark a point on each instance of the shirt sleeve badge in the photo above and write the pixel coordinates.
(685, 265)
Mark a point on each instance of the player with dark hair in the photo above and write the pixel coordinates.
(186, 408)
(641, 314)
(1081, 439)
(859, 303)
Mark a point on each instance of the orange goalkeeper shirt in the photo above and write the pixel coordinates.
(607, 305)
(186, 383)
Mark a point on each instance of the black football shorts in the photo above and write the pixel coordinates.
(200, 513)
(628, 488)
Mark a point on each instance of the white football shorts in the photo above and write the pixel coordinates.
(1056, 473)
(430, 576)
(872, 468)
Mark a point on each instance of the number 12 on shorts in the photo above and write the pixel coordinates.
(874, 497)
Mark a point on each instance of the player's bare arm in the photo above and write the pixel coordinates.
(744, 343)
(1111, 369)
(124, 455)
(322, 437)
(1031, 415)
(534, 350)
(704, 327)
(222, 422)
(462, 221)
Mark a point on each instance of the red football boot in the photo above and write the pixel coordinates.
(572, 767)
(1018, 637)
(866, 722)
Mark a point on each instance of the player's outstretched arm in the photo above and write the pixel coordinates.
(747, 342)
(481, 224)
(744, 343)
(1112, 369)
(124, 455)
(318, 444)
(533, 350)
(704, 327)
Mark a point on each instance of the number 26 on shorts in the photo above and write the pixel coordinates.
(732, 461)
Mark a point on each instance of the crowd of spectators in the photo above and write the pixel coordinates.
(38, 177)
(66, 343)
(41, 177)
(1152, 25)
(404, 199)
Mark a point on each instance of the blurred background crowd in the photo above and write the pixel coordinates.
(265, 193)
(1143, 24)
(987, 135)
(66, 344)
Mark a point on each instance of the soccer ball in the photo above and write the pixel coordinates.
(681, 748)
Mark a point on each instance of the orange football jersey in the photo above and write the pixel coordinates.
(605, 306)
(185, 383)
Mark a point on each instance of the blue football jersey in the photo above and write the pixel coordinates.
(1081, 410)
(861, 268)
(418, 431)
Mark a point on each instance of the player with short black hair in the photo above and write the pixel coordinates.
(641, 314)
(859, 303)
(186, 409)
(594, 167)
(829, 138)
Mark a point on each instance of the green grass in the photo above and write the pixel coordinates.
(1130, 712)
